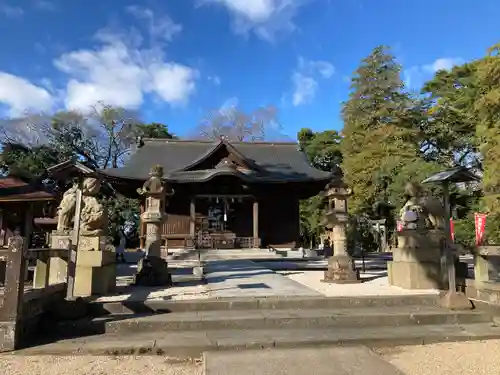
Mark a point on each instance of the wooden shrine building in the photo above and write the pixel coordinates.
(26, 208)
(226, 194)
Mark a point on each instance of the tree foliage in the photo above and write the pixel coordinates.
(102, 138)
(448, 128)
(235, 124)
(322, 149)
(379, 148)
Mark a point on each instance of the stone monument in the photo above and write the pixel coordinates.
(340, 265)
(417, 261)
(152, 270)
(60, 238)
(96, 262)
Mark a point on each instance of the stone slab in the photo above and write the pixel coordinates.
(273, 319)
(317, 361)
(191, 344)
(244, 278)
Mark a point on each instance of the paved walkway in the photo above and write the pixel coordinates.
(316, 361)
(244, 278)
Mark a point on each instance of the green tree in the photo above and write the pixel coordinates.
(323, 152)
(322, 148)
(380, 147)
(448, 129)
(487, 107)
(153, 130)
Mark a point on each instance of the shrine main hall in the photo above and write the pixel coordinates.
(225, 194)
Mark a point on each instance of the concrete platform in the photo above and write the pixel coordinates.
(315, 361)
(244, 278)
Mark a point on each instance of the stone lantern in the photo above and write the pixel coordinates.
(153, 269)
(340, 265)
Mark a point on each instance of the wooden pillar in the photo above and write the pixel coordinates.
(28, 230)
(192, 214)
(256, 239)
(2, 232)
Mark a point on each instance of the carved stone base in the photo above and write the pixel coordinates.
(416, 263)
(341, 270)
(153, 271)
(92, 243)
(455, 301)
(95, 273)
(60, 239)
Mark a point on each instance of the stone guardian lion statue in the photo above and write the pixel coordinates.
(429, 210)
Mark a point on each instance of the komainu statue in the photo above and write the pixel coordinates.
(93, 219)
(154, 185)
(421, 211)
(66, 210)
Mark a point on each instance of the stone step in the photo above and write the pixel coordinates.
(270, 319)
(191, 344)
(265, 303)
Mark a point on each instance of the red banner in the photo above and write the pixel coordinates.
(399, 226)
(452, 230)
(480, 221)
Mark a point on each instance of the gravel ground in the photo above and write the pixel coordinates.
(90, 365)
(377, 287)
(466, 358)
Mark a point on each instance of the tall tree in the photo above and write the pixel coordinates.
(379, 132)
(237, 125)
(323, 152)
(448, 128)
(487, 107)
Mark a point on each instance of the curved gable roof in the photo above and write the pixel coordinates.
(271, 162)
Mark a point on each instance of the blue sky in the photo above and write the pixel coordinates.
(176, 60)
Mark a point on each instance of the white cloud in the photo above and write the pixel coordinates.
(10, 11)
(266, 18)
(121, 73)
(215, 80)
(444, 63)
(19, 95)
(416, 75)
(159, 26)
(118, 71)
(304, 89)
(305, 79)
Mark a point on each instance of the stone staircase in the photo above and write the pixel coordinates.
(190, 328)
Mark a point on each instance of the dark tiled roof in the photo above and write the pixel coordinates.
(15, 189)
(272, 162)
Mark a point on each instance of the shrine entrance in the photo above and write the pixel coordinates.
(224, 221)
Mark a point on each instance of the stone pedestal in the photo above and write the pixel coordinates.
(95, 273)
(58, 267)
(92, 243)
(487, 264)
(417, 261)
(341, 270)
(153, 271)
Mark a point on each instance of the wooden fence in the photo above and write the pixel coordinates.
(21, 305)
